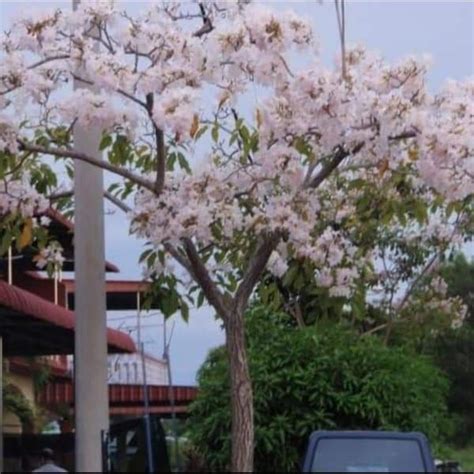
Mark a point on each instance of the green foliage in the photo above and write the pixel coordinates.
(17, 231)
(320, 377)
(453, 352)
(15, 402)
(164, 293)
(41, 376)
(459, 275)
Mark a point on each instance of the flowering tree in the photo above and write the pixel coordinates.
(289, 182)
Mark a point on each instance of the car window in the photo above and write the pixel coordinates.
(367, 455)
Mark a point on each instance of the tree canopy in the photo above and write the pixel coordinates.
(329, 158)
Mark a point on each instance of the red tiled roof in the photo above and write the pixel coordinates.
(27, 305)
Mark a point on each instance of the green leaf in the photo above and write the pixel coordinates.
(113, 187)
(299, 281)
(290, 275)
(421, 212)
(201, 132)
(233, 138)
(5, 242)
(200, 299)
(183, 163)
(145, 255)
(170, 162)
(244, 134)
(105, 142)
(215, 133)
(184, 311)
(169, 302)
(70, 171)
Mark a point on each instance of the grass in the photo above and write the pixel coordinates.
(464, 456)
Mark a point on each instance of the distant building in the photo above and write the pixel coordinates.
(37, 323)
(127, 369)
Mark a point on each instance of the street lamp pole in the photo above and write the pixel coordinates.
(90, 357)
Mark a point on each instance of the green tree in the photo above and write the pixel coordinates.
(459, 275)
(15, 402)
(320, 377)
(453, 350)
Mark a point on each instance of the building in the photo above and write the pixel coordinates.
(37, 326)
(127, 369)
(37, 340)
(37, 336)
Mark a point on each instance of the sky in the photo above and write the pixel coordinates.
(442, 29)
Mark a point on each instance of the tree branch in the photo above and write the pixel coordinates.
(342, 153)
(34, 66)
(134, 178)
(61, 195)
(207, 26)
(181, 259)
(376, 329)
(117, 202)
(160, 148)
(429, 266)
(119, 91)
(427, 269)
(108, 195)
(202, 277)
(338, 158)
(403, 136)
(132, 98)
(256, 267)
(295, 311)
(47, 60)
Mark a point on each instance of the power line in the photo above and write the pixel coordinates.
(135, 327)
(121, 318)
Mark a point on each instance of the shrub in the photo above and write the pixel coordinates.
(321, 377)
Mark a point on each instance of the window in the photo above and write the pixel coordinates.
(367, 455)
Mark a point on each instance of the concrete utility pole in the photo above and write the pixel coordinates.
(10, 281)
(1, 404)
(90, 360)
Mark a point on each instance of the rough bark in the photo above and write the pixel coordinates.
(241, 395)
(232, 311)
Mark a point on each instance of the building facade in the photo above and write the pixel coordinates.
(127, 369)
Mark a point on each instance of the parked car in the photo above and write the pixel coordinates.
(368, 451)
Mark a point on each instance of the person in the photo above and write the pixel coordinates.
(47, 462)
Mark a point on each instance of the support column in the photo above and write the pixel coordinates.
(90, 361)
(1, 404)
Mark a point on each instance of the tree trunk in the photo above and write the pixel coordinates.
(241, 395)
